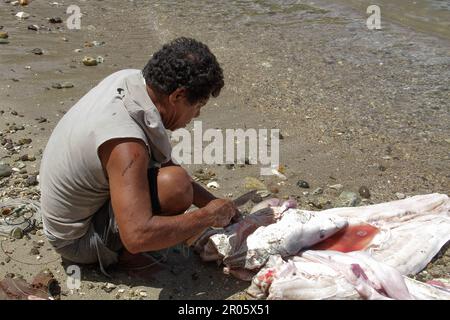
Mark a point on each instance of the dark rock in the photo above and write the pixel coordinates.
(302, 184)
(5, 170)
(229, 166)
(55, 20)
(56, 85)
(31, 181)
(37, 51)
(34, 251)
(14, 113)
(33, 27)
(27, 157)
(364, 192)
(41, 119)
(24, 141)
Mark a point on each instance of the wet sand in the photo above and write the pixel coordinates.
(355, 107)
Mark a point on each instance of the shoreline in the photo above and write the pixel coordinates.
(355, 108)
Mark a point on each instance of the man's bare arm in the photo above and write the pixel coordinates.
(126, 161)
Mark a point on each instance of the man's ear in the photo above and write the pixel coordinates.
(178, 95)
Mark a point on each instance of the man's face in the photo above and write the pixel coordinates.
(183, 110)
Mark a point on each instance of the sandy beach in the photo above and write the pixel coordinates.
(355, 107)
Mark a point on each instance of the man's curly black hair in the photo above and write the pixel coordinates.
(185, 63)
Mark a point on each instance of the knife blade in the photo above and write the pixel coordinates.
(239, 201)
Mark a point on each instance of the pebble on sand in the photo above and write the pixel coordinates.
(302, 184)
(364, 192)
(37, 51)
(400, 195)
(5, 170)
(22, 15)
(89, 61)
(55, 20)
(348, 199)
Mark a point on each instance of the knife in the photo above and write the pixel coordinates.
(239, 201)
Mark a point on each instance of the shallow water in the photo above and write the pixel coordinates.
(429, 16)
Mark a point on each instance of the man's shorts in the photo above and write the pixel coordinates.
(101, 243)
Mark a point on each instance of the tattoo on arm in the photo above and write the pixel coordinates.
(128, 167)
(135, 157)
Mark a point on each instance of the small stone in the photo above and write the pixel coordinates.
(121, 290)
(55, 20)
(364, 192)
(213, 185)
(67, 85)
(317, 191)
(33, 27)
(8, 260)
(337, 187)
(252, 183)
(56, 85)
(89, 61)
(143, 294)
(229, 166)
(5, 170)
(6, 211)
(4, 35)
(4, 41)
(22, 15)
(17, 233)
(108, 287)
(400, 195)
(37, 51)
(34, 251)
(41, 120)
(14, 113)
(348, 199)
(302, 184)
(320, 203)
(32, 181)
(25, 141)
(27, 157)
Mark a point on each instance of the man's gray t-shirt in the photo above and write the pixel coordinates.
(73, 184)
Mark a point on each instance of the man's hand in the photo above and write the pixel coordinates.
(221, 211)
